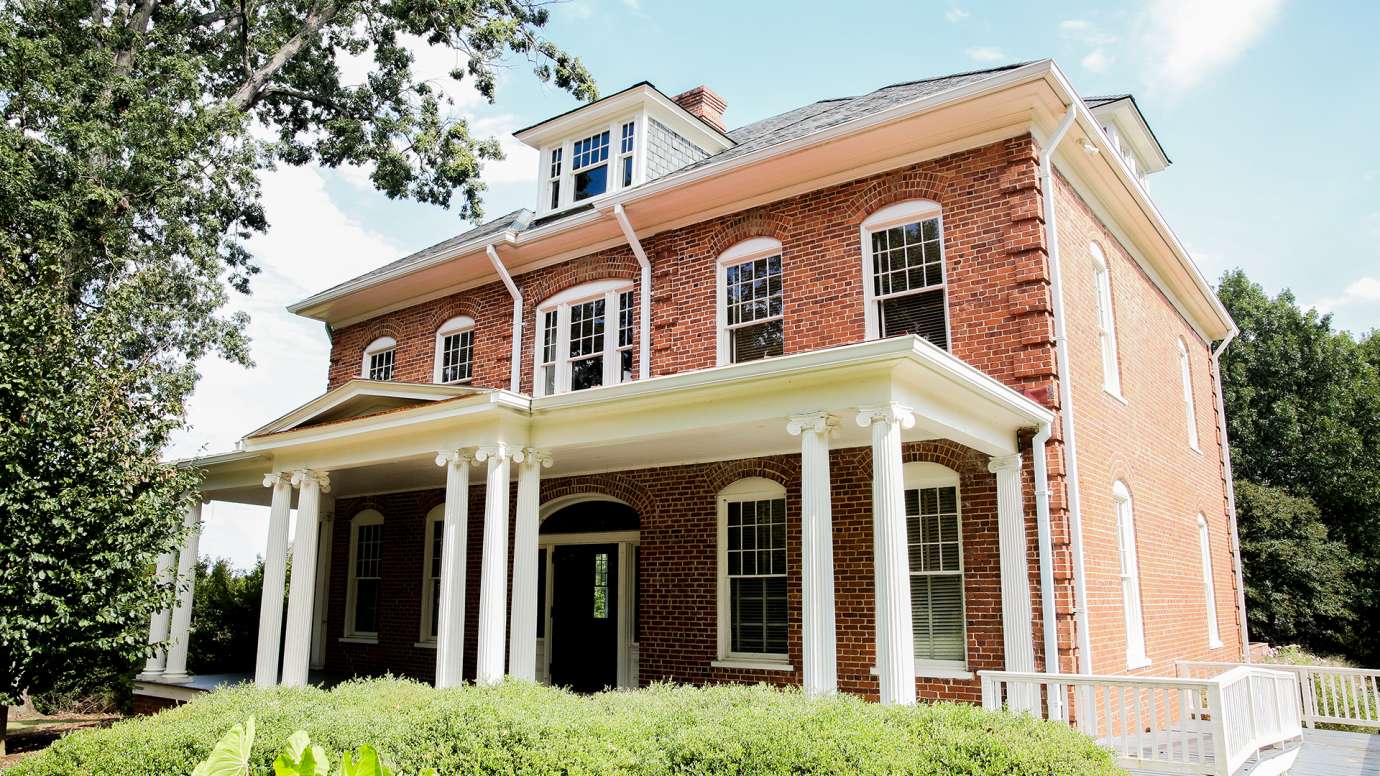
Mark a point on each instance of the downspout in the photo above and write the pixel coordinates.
(1231, 492)
(1049, 628)
(516, 379)
(644, 318)
(1061, 352)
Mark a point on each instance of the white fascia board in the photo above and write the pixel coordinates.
(360, 387)
(1093, 128)
(967, 377)
(217, 459)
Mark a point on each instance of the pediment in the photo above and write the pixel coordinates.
(360, 398)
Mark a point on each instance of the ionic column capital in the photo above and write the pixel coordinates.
(322, 479)
(273, 478)
(888, 413)
(1004, 463)
(459, 456)
(496, 452)
(533, 456)
(818, 422)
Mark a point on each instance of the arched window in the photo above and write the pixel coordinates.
(366, 574)
(1209, 589)
(379, 359)
(1130, 576)
(579, 344)
(1106, 321)
(934, 534)
(431, 571)
(1186, 377)
(752, 572)
(903, 263)
(750, 302)
(455, 350)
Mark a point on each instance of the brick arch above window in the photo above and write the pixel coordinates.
(454, 307)
(891, 189)
(964, 460)
(759, 222)
(543, 284)
(721, 474)
(630, 492)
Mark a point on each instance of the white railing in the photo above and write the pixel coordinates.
(1327, 694)
(1209, 725)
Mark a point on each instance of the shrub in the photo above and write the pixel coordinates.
(525, 728)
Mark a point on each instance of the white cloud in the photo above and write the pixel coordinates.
(1187, 40)
(955, 14)
(429, 63)
(986, 54)
(519, 163)
(1366, 290)
(1097, 60)
(635, 5)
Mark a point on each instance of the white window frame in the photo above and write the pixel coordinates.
(1209, 588)
(901, 213)
(457, 325)
(746, 489)
(1106, 321)
(366, 517)
(436, 515)
(923, 474)
(609, 290)
(566, 175)
(1129, 573)
(741, 253)
(377, 347)
(1190, 412)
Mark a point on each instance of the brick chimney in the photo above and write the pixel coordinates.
(704, 103)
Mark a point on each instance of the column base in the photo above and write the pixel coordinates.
(148, 676)
(176, 678)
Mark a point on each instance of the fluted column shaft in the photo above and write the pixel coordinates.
(819, 652)
(1016, 620)
(493, 573)
(302, 590)
(180, 634)
(891, 563)
(160, 622)
(450, 625)
(522, 637)
(275, 572)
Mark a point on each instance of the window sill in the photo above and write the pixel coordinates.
(752, 665)
(1113, 394)
(359, 639)
(928, 671)
(1215, 644)
(1132, 663)
(425, 645)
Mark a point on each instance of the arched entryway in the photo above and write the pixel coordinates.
(587, 593)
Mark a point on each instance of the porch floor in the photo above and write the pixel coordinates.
(209, 682)
(1325, 753)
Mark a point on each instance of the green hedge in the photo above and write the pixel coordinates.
(525, 728)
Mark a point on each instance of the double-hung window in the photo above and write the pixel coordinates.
(905, 292)
(1186, 378)
(379, 359)
(585, 337)
(1106, 321)
(1130, 577)
(366, 573)
(553, 178)
(935, 541)
(592, 161)
(589, 165)
(455, 350)
(431, 568)
(752, 572)
(626, 145)
(751, 323)
(1209, 589)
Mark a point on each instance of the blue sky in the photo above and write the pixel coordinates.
(1266, 108)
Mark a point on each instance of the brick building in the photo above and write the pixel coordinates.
(867, 397)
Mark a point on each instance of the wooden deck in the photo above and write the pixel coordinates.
(1324, 753)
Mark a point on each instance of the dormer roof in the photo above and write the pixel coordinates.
(631, 99)
(1123, 111)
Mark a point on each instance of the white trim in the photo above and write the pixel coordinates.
(745, 489)
(1209, 586)
(358, 639)
(611, 291)
(378, 347)
(1190, 413)
(457, 325)
(363, 518)
(1105, 311)
(748, 250)
(1133, 612)
(744, 664)
(437, 514)
(926, 474)
(900, 213)
(929, 669)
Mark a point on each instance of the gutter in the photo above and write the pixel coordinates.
(1231, 492)
(644, 316)
(1064, 374)
(1050, 631)
(516, 377)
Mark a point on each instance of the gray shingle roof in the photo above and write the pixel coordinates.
(1100, 100)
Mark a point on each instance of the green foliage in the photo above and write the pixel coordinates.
(1303, 408)
(230, 756)
(225, 618)
(131, 140)
(525, 728)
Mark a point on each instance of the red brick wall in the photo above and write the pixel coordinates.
(678, 510)
(145, 705)
(1143, 441)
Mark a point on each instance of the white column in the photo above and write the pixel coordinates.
(176, 669)
(493, 572)
(302, 589)
(1016, 620)
(522, 637)
(160, 622)
(450, 624)
(818, 649)
(891, 563)
(275, 571)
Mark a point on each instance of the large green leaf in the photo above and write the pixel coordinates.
(230, 755)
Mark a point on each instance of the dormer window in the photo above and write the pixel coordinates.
(626, 146)
(590, 166)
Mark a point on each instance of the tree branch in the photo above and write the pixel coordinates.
(138, 25)
(274, 90)
(253, 87)
(218, 15)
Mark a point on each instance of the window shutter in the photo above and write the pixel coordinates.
(921, 314)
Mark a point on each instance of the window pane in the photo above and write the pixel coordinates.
(601, 585)
(932, 530)
(586, 328)
(456, 356)
(627, 170)
(907, 258)
(587, 373)
(381, 365)
(756, 550)
(438, 533)
(750, 343)
(541, 592)
(591, 182)
(366, 605)
(435, 606)
(937, 617)
(921, 314)
(625, 319)
(753, 290)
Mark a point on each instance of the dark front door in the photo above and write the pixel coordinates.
(584, 617)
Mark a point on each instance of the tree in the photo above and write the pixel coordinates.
(1303, 411)
(225, 618)
(132, 135)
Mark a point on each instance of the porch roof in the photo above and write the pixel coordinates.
(734, 411)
